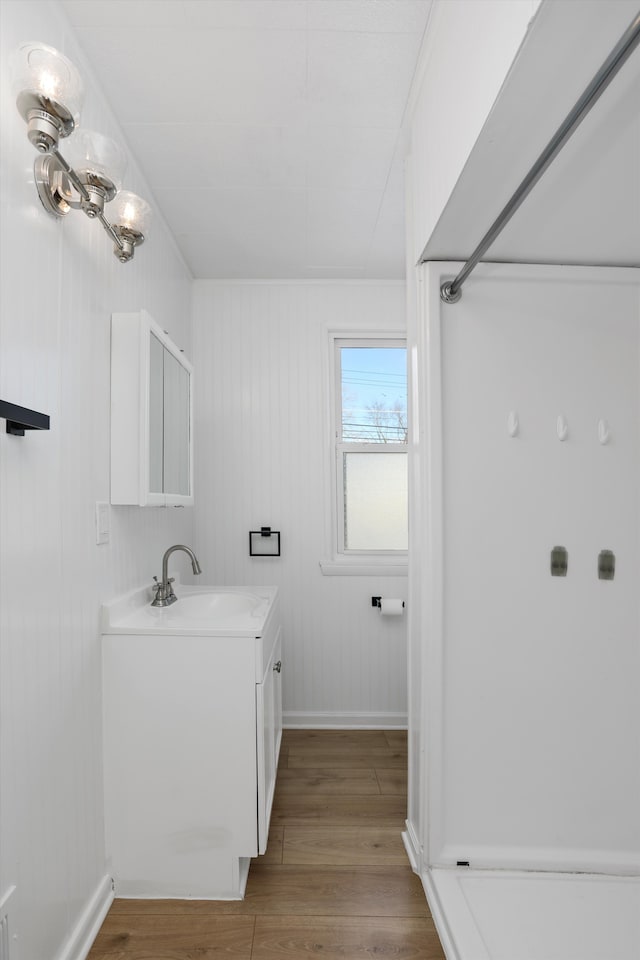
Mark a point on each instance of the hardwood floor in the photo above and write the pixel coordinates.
(335, 881)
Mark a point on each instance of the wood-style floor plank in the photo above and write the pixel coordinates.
(176, 909)
(346, 756)
(333, 780)
(362, 846)
(324, 740)
(160, 938)
(342, 811)
(353, 938)
(396, 738)
(361, 891)
(392, 782)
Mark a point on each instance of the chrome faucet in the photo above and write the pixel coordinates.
(164, 589)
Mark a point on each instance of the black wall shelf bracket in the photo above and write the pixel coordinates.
(20, 419)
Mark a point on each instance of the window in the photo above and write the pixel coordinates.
(371, 446)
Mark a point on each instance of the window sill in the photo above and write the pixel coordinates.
(364, 568)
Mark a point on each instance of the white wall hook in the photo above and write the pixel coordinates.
(604, 431)
(513, 424)
(562, 427)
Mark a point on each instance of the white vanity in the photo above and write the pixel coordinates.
(192, 729)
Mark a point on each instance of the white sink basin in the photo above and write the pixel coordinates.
(209, 611)
(213, 606)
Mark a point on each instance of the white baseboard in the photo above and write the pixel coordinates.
(339, 721)
(439, 916)
(540, 859)
(81, 938)
(412, 847)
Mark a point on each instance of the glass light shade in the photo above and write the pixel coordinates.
(96, 158)
(130, 213)
(44, 79)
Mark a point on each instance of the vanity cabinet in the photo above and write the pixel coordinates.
(192, 730)
(151, 415)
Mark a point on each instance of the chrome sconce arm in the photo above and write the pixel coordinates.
(48, 93)
(62, 189)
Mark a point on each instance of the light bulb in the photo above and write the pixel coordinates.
(130, 213)
(49, 85)
(48, 91)
(130, 216)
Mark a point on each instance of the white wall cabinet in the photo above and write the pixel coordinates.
(192, 730)
(151, 415)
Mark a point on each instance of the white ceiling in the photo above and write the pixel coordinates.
(269, 130)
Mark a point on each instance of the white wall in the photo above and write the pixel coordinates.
(263, 458)
(468, 50)
(60, 282)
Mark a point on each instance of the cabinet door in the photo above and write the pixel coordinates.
(177, 430)
(156, 415)
(269, 735)
(151, 415)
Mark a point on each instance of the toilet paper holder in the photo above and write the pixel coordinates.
(377, 602)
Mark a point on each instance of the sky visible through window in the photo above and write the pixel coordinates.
(374, 394)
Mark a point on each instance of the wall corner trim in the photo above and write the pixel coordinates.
(80, 939)
(412, 847)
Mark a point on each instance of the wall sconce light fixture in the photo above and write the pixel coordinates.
(49, 96)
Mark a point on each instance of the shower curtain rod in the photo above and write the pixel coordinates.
(450, 291)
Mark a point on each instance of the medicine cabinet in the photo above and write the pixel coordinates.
(151, 415)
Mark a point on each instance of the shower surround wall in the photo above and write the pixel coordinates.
(265, 458)
(530, 694)
(60, 284)
(530, 722)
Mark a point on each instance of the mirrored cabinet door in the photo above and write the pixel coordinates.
(177, 467)
(156, 415)
(151, 415)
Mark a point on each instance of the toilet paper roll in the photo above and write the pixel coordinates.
(391, 607)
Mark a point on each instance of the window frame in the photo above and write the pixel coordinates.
(373, 339)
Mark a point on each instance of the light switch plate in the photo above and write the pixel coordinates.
(103, 522)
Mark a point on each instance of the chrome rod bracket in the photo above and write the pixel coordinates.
(448, 294)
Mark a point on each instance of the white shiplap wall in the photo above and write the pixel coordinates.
(59, 284)
(263, 458)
